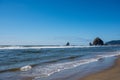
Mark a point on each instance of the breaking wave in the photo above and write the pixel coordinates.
(47, 70)
(39, 47)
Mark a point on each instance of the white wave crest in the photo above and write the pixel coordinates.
(25, 68)
(45, 71)
(109, 55)
(40, 47)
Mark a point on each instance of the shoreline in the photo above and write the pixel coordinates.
(112, 73)
(89, 75)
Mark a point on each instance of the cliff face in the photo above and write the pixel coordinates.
(113, 42)
(98, 41)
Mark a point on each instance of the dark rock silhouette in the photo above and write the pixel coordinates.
(67, 44)
(90, 44)
(98, 41)
(113, 42)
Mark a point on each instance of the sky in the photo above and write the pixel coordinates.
(55, 22)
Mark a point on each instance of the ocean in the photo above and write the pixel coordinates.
(54, 62)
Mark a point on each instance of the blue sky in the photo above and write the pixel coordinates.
(58, 21)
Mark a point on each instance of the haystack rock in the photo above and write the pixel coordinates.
(98, 41)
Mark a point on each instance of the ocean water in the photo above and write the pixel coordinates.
(53, 62)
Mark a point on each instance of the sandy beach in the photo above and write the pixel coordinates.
(112, 73)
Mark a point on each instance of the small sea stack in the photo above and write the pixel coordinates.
(90, 44)
(67, 44)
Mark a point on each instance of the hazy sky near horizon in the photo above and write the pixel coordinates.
(58, 21)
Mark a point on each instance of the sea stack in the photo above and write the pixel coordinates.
(98, 41)
(90, 44)
(67, 44)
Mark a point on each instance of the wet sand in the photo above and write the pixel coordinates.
(112, 73)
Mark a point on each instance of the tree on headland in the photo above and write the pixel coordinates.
(98, 41)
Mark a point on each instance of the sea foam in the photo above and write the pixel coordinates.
(45, 71)
(25, 68)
